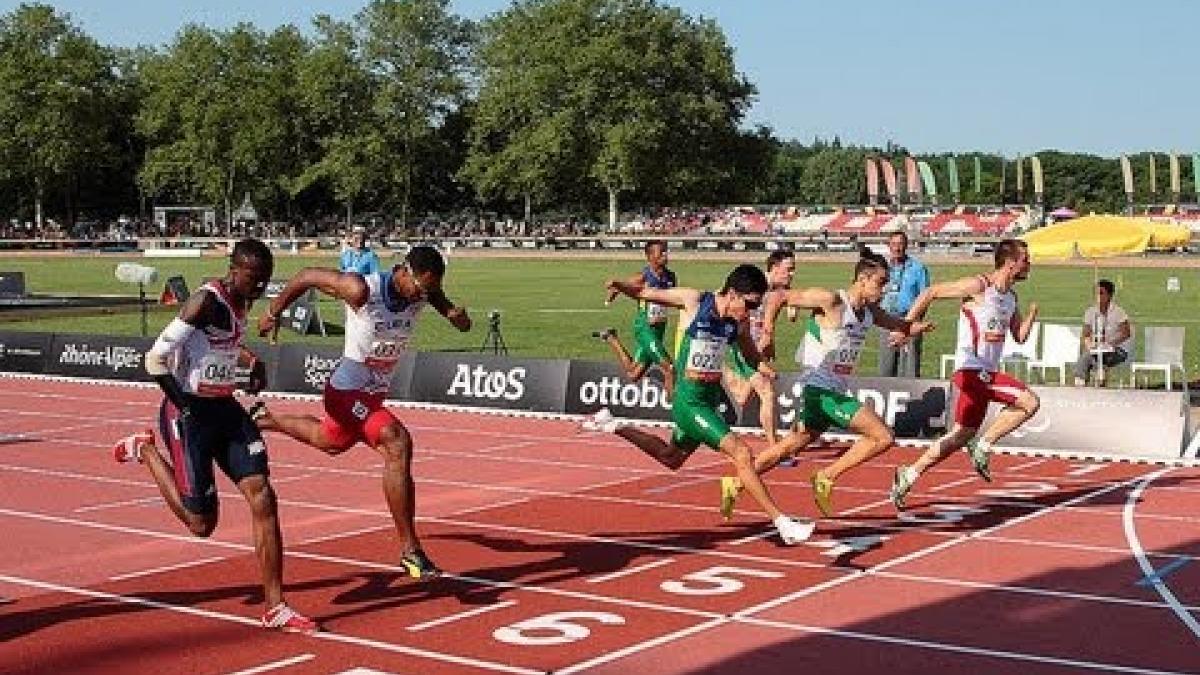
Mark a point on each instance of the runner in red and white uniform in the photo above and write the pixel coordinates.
(381, 313)
(989, 313)
(195, 361)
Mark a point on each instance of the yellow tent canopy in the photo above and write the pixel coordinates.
(1103, 236)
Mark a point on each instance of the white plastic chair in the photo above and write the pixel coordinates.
(1060, 350)
(1164, 353)
(950, 360)
(1016, 353)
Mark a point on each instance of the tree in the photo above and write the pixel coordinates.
(418, 56)
(56, 101)
(619, 94)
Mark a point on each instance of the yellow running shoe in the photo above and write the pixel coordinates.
(729, 494)
(822, 487)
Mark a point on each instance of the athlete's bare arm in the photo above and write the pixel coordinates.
(679, 298)
(894, 323)
(1020, 326)
(751, 351)
(965, 287)
(349, 287)
(635, 280)
(457, 316)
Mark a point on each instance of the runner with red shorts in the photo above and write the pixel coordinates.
(989, 312)
(381, 313)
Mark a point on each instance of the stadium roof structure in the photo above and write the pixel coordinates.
(1103, 236)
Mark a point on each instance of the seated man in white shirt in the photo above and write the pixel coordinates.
(1106, 332)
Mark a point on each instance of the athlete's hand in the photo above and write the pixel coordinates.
(458, 317)
(258, 377)
(268, 326)
(919, 327)
(898, 338)
(767, 370)
(1033, 309)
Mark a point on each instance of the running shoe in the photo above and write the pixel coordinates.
(901, 485)
(419, 566)
(282, 617)
(258, 410)
(979, 460)
(604, 334)
(729, 494)
(129, 449)
(602, 421)
(822, 487)
(794, 531)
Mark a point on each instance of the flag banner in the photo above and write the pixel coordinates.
(1196, 174)
(1153, 177)
(1020, 176)
(927, 178)
(889, 177)
(1127, 176)
(872, 181)
(952, 171)
(912, 179)
(979, 174)
(1176, 184)
(1039, 184)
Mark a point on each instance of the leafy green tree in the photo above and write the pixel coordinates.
(624, 95)
(57, 89)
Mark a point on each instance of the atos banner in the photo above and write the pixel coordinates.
(489, 381)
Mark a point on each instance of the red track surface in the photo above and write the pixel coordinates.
(571, 552)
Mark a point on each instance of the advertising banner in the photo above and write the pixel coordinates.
(486, 380)
(24, 352)
(598, 384)
(304, 369)
(100, 357)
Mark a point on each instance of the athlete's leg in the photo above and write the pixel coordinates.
(666, 453)
(395, 445)
(738, 387)
(200, 524)
(304, 428)
(765, 388)
(268, 542)
(874, 438)
(1012, 416)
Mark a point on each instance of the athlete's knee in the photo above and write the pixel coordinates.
(884, 437)
(259, 495)
(1030, 403)
(395, 443)
(203, 524)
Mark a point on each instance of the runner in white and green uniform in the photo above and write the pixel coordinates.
(649, 324)
(833, 340)
(743, 380)
(713, 321)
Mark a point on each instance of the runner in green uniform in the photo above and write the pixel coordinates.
(743, 380)
(834, 335)
(649, 324)
(713, 321)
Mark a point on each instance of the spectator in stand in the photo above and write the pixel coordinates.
(1106, 331)
(358, 257)
(907, 278)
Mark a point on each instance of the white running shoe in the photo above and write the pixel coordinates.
(602, 421)
(129, 449)
(794, 531)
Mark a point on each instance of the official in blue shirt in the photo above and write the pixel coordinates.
(359, 257)
(907, 277)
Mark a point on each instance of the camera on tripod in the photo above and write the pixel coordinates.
(494, 341)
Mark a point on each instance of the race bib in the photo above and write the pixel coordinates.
(706, 358)
(384, 354)
(995, 331)
(656, 313)
(218, 373)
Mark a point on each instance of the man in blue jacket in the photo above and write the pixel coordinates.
(907, 277)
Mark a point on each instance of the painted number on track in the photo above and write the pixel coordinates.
(715, 581)
(558, 628)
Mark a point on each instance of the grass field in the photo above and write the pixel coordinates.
(550, 306)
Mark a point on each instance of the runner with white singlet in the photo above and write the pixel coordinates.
(989, 312)
(381, 313)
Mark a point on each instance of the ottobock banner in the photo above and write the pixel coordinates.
(1109, 421)
(24, 352)
(489, 381)
(914, 408)
(98, 356)
(600, 384)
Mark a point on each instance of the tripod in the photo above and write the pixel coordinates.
(494, 340)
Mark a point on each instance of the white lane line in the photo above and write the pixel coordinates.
(140, 501)
(245, 621)
(957, 649)
(1139, 553)
(921, 553)
(629, 570)
(276, 665)
(166, 568)
(462, 615)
